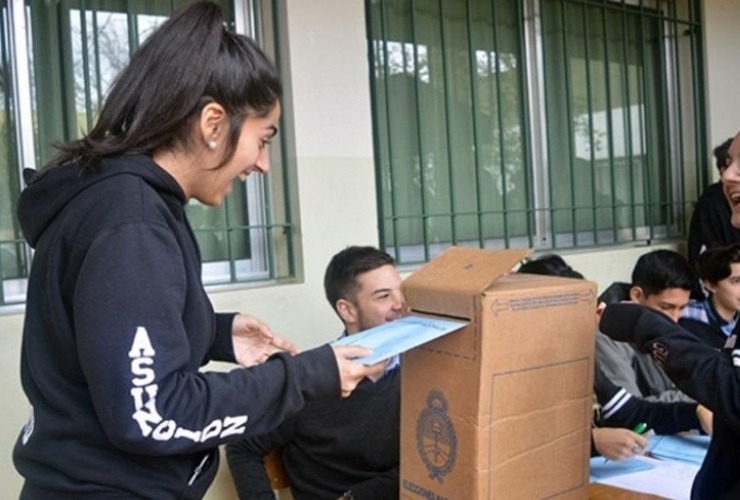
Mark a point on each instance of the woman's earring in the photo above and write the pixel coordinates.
(212, 145)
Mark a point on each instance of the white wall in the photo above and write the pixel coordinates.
(722, 36)
(337, 191)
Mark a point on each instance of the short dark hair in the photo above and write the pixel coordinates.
(549, 265)
(721, 154)
(714, 264)
(189, 61)
(340, 279)
(660, 270)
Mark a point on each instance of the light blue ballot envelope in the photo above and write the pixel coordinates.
(399, 336)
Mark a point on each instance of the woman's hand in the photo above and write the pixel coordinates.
(352, 372)
(254, 342)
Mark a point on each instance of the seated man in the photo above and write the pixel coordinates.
(345, 448)
(616, 411)
(714, 318)
(662, 280)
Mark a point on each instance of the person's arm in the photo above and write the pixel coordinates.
(141, 359)
(381, 487)
(246, 459)
(654, 384)
(620, 409)
(616, 361)
(702, 372)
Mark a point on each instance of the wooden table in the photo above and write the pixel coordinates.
(606, 492)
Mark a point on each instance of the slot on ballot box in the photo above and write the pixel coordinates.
(500, 409)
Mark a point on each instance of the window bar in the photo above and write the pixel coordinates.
(133, 30)
(85, 64)
(628, 149)
(259, 213)
(569, 118)
(671, 114)
(98, 70)
(269, 220)
(645, 137)
(589, 106)
(287, 227)
(534, 146)
(450, 183)
(676, 182)
(500, 123)
(374, 49)
(473, 94)
(228, 231)
(544, 194)
(19, 71)
(702, 173)
(609, 122)
(424, 216)
(525, 122)
(391, 171)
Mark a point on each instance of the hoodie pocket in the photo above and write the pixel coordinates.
(202, 476)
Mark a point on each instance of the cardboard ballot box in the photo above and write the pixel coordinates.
(502, 408)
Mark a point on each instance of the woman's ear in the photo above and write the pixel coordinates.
(212, 124)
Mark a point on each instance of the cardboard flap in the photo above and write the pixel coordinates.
(451, 282)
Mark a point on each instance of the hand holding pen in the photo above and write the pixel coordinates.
(620, 443)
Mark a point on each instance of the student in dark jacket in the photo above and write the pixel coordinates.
(347, 448)
(710, 223)
(710, 376)
(117, 321)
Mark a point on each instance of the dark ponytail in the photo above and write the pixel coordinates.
(187, 62)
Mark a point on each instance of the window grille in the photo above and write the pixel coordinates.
(552, 124)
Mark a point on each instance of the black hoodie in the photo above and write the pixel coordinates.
(117, 325)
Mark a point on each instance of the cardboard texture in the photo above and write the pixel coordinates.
(501, 409)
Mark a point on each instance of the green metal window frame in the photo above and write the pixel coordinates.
(552, 124)
(75, 48)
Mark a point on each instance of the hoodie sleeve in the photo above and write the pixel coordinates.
(223, 346)
(620, 409)
(141, 362)
(711, 377)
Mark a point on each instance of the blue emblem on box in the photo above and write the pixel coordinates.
(436, 441)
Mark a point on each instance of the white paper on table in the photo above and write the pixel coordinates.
(666, 479)
(399, 336)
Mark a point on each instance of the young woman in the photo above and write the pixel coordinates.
(117, 321)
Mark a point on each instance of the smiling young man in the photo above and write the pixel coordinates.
(347, 448)
(715, 318)
(662, 280)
